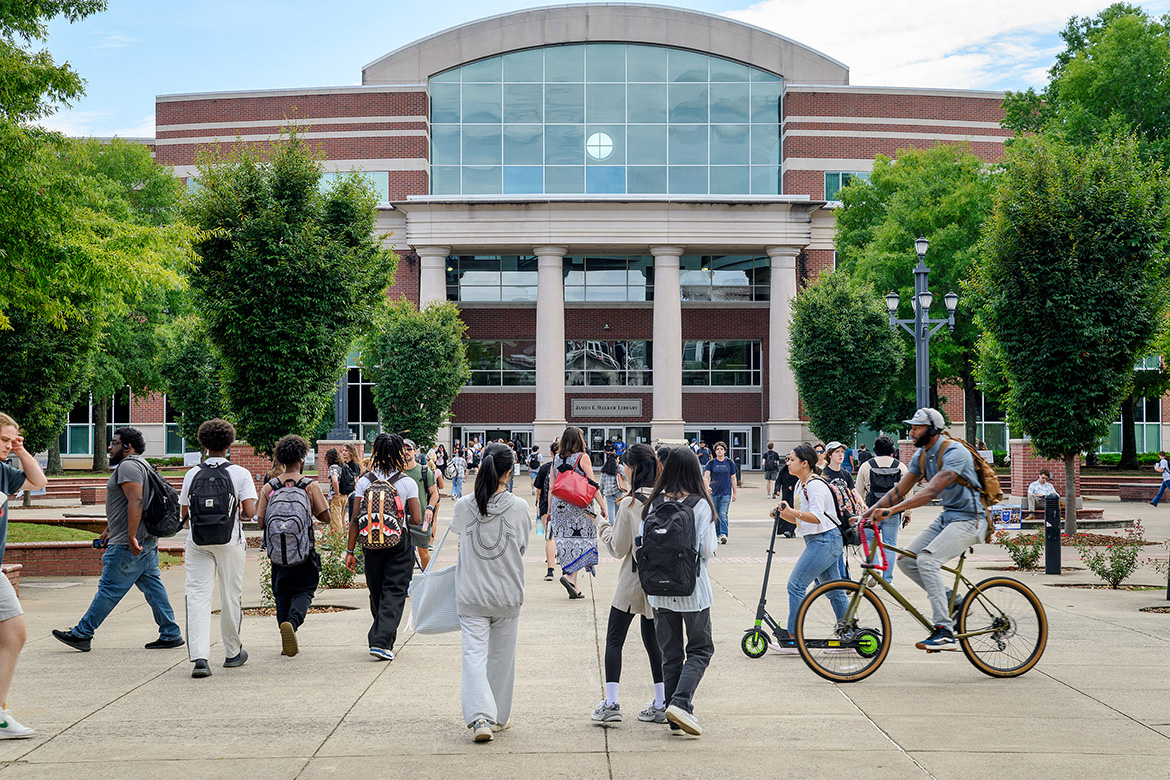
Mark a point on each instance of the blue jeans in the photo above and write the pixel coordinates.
(457, 487)
(722, 504)
(122, 570)
(611, 507)
(817, 563)
(1161, 490)
(889, 528)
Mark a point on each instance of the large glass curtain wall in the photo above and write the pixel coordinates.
(604, 119)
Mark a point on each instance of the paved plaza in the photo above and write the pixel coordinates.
(1095, 705)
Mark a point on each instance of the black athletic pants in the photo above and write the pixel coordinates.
(293, 588)
(388, 574)
(615, 638)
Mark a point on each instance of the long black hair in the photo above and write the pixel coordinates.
(808, 454)
(644, 466)
(497, 462)
(610, 467)
(680, 475)
(389, 455)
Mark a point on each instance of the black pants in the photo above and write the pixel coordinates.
(388, 574)
(682, 670)
(293, 588)
(615, 638)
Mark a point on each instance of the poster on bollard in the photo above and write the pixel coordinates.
(1007, 518)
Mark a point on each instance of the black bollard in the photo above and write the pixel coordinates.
(1052, 534)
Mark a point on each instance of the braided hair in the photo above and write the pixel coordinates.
(389, 454)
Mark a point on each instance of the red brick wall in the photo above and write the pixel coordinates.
(816, 262)
(624, 323)
(12, 572)
(505, 408)
(322, 469)
(243, 454)
(953, 405)
(406, 278)
(1026, 467)
(225, 108)
(147, 409)
(730, 407)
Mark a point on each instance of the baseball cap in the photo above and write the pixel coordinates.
(832, 446)
(410, 443)
(927, 416)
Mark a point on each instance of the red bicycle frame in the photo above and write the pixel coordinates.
(877, 540)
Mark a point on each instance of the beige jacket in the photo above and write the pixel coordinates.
(618, 539)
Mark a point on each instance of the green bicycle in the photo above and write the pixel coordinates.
(999, 622)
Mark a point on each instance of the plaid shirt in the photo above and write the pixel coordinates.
(607, 484)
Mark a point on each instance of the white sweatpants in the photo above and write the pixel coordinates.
(202, 565)
(489, 667)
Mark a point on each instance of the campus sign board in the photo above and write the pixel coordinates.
(607, 407)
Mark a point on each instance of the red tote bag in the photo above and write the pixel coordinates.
(574, 487)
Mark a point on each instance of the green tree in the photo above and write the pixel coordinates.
(943, 193)
(191, 374)
(418, 362)
(287, 274)
(843, 354)
(1071, 287)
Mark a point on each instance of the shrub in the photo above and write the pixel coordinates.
(266, 598)
(1024, 549)
(1159, 565)
(1118, 560)
(331, 547)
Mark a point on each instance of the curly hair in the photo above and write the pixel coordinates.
(332, 458)
(132, 437)
(290, 450)
(216, 435)
(389, 455)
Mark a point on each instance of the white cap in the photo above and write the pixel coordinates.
(927, 416)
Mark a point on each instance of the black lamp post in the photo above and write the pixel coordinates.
(922, 327)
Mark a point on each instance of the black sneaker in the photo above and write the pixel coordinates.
(164, 644)
(941, 639)
(73, 640)
(201, 669)
(236, 660)
(549, 576)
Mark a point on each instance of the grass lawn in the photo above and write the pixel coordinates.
(35, 532)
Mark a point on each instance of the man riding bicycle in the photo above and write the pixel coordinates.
(962, 523)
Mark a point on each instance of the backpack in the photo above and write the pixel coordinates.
(212, 504)
(667, 559)
(533, 462)
(989, 490)
(345, 481)
(847, 506)
(382, 523)
(771, 461)
(881, 481)
(160, 514)
(288, 523)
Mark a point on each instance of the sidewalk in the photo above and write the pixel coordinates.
(1093, 707)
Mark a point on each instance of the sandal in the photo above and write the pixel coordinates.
(573, 592)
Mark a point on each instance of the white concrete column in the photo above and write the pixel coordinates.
(783, 427)
(667, 422)
(550, 345)
(432, 279)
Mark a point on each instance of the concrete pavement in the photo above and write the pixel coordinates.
(1093, 707)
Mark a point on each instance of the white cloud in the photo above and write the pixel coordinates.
(931, 43)
(115, 40)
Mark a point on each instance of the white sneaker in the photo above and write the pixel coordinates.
(722, 540)
(607, 713)
(482, 730)
(652, 714)
(684, 720)
(10, 729)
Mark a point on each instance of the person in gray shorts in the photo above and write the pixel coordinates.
(12, 630)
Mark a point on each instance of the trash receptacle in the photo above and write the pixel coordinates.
(1052, 534)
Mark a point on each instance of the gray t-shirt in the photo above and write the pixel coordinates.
(131, 469)
(959, 503)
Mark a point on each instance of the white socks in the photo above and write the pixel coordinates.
(659, 695)
(611, 693)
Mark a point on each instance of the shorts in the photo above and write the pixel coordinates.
(9, 603)
(771, 475)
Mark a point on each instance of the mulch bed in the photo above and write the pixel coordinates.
(1157, 610)
(1087, 538)
(1102, 586)
(271, 611)
(1034, 570)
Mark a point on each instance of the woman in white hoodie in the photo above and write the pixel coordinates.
(489, 589)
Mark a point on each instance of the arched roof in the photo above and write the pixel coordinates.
(611, 23)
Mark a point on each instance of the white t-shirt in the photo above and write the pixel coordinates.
(1165, 469)
(241, 481)
(816, 498)
(406, 487)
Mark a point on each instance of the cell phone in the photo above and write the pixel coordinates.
(99, 543)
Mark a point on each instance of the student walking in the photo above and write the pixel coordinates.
(215, 495)
(543, 485)
(720, 478)
(682, 624)
(572, 527)
(428, 481)
(608, 481)
(1163, 468)
(131, 556)
(771, 471)
(489, 590)
(288, 504)
(388, 565)
(876, 477)
(629, 600)
(341, 484)
(352, 461)
(13, 631)
(459, 463)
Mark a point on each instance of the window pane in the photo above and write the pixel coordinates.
(729, 103)
(523, 144)
(447, 76)
(369, 413)
(688, 145)
(482, 179)
(519, 355)
(765, 181)
(647, 103)
(726, 70)
(445, 144)
(605, 62)
(444, 180)
(766, 103)
(79, 439)
(564, 144)
(605, 179)
(766, 144)
(80, 412)
(564, 103)
(523, 103)
(481, 103)
(688, 103)
(646, 179)
(523, 179)
(605, 103)
(687, 65)
(730, 180)
(484, 70)
(445, 103)
(481, 145)
(567, 180)
(524, 66)
(730, 145)
(483, 355)
(519, 378)
(647, 144)
(646, 63)
(564, 63)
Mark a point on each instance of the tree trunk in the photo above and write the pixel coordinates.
(54, 468)
(1128, 435)
(101, 413)
(1070, 493)
(970, 405)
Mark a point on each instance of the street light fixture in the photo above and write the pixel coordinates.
(921, 327)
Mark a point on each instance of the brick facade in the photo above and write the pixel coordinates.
(1026, 467)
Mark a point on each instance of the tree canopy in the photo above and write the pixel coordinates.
(418, 362)
(843, 354)
(286, 278)
(191, 374)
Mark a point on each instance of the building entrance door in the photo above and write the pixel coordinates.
(738, 441)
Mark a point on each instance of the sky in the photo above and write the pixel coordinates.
(138, 49)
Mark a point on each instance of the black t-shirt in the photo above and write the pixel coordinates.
(839, 478)
(787, 483)
(863, 456)
(771, 461)
(542, 488)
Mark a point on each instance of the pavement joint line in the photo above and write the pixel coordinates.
(601, 671)
(883, 732)
(1066, 611)
(1127, 716)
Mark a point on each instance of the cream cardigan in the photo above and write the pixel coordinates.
(618, 539)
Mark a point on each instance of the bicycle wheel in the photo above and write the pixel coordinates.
(1010, 626)
(848, 649)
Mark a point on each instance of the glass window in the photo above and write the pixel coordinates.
(445, 180)
(445, 104)
(445, 140)
(687, 66)
(765, 181)
(729, 103)
(564, 144)
(730, 145)
(730, 179)
(483, 278)
(523, 103)
(605, 102)
(564, 103)
(482, 179)
(523, 144)
(724, 277)
(646, 63)
(564, 179)
(646, 179)
(481, 104)
(484, 70)
(78, 433)
(481, 145)
(722, 363)
(647, 103)
(605, 62)
(647, 145)
(688, 103)
(564, 63)
(605, 144)
(523, 179)
(835, 180)
(524, 66)
(688, 145)
(766, 103)
(608, 363)
(609, 278)
(766, 144)
(602, 179)
(501, 363)
(688, 180)
(726, 70)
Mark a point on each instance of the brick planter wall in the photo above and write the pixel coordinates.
(1026, 467)
(65, 559)
(323, 445)
(12, 572)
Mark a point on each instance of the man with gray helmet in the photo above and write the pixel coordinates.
(961, 524)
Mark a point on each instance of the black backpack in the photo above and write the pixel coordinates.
(771, 460)
(212, 504)
(881, 481)
(534, 461)
(345, 481)
(667, 557)
(160, 514)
